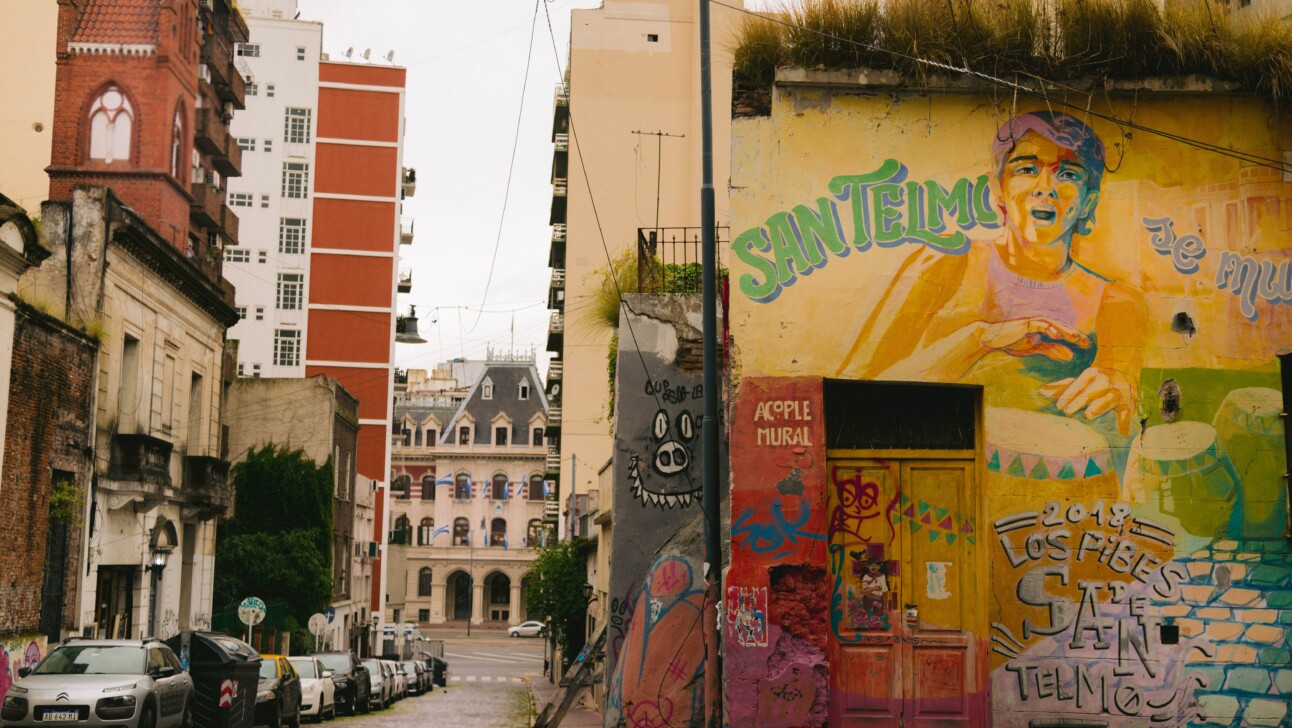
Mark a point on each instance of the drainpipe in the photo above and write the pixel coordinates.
(67, 248)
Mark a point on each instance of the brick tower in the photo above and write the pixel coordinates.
(145, 90)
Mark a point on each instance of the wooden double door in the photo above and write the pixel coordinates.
(908, 593)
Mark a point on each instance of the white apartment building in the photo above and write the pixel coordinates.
(273, 198)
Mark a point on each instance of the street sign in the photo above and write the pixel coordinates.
(317, 624)
(330, 613)
(251, 611)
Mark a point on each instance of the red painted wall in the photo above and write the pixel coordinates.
(357, 170)
(354, 280)
(354, 225)
(378, 123)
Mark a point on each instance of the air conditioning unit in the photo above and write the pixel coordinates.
(374, 549)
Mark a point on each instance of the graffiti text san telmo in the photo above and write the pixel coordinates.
(885, 210)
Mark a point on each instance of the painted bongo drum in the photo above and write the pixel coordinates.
(1037, 454)
(1183, 477)
(1250, 431)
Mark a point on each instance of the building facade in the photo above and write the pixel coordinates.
(1012, 455)
(468, 493)
(143, 90)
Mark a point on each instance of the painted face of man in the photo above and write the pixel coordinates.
(1044, 190)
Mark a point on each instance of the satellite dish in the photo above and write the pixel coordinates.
(390, 57)
(349, 52)
(366, 53)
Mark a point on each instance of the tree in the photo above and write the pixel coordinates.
(556, 588)
(279, 543)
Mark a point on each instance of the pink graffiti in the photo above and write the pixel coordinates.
(6, 679)
(650, 714)
(670, 578)
(32, 654)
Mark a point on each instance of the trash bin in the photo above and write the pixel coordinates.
(225, 672)
(439, 671)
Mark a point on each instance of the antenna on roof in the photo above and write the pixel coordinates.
(390, 57)
(349, 51)
(366, 52)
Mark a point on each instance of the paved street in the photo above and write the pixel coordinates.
(487, 688)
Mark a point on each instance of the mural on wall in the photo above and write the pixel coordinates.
(1135, 529)
(17, 653)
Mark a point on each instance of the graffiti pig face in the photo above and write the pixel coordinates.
(666, 483)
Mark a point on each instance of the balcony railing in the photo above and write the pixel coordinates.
(558, 278)
(553, 460)
(562, 142)
(405, 280)
(206, 486)
(229, 159)
(139, 469)
(406, 230)
(559, 186)
(208, 200)
(669, 259)
(211, 131)
(409, 181)
(562, 97)
(557, 325)
(555, 369)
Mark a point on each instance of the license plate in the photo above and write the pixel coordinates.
(61, 715)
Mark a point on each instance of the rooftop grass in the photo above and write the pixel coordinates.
(1021, 40)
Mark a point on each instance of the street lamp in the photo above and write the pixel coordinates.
(587, 592)
(160, 555)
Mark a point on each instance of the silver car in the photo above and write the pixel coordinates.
(122, 683)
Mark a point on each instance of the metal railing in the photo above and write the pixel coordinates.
(669, 258)
(555, 369)
(557, 325)
(558, 233)
(406, 230)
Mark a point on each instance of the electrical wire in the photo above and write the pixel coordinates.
(1039, 92)
(511, 168)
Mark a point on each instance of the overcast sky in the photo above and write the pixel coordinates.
(466, 70)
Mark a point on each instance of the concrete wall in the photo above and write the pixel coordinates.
(1082, 282)
(27, 41)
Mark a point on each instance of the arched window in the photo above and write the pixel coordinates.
(424, 582)
(499, 487)
(428, 487)
(536, 487)
(462, 487)
(461, 532)
(534, 534)
(403, 530)
(425, 532)
(498, 532)
(112, 121)
(176, 143)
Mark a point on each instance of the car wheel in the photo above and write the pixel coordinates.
(148, 718)
(295, 722)
(513, 634)
(187, 720)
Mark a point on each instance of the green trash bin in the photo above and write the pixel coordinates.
(225, 672)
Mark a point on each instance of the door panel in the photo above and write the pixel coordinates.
(904, 568)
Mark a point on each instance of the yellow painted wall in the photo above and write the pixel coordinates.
(1075, 310)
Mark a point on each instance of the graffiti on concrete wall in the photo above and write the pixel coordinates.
(1121, 308)
(17, 653)
(746, 612)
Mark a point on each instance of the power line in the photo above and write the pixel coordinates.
(511, 168)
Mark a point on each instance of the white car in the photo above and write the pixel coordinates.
(318, 692)
(400, 682)
(527, 629)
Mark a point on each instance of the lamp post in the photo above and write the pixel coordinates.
(157, 564)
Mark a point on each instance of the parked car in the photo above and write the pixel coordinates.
(527, 629)
(381, 683)
(350, 678)
(419, 680)
(318, 692)
(127, 683)
(401, 680)
(439, 669)
(278, 696)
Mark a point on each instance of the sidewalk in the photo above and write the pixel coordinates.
(576, 717)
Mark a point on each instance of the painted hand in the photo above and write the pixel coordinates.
(1036, 335)
(1096, 390)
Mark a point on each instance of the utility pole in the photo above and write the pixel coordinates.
(659, 161)
(709, 295)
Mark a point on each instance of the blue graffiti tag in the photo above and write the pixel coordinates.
(763, 538)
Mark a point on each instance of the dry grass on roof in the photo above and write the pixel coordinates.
(1058, 40)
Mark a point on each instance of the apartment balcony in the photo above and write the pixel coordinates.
(558, 233)
(562, 142)
(405, 281)
(211, 131)
(556, 332)
(408, 181)
(406, 230)
(138, 472)
(558, 278)
(553, 462)
(556, 299)
(206, 487)
(559, 187)
(562, 96)
(229, 160)
(558, 208)
(555, 369)
(209, 211)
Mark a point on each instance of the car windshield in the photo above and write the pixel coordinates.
(305, 668)
(373, 667)
(93, 660)
(410, 667)
(268, 669)
(336, 663)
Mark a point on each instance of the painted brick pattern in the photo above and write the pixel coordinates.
(1238, 601)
